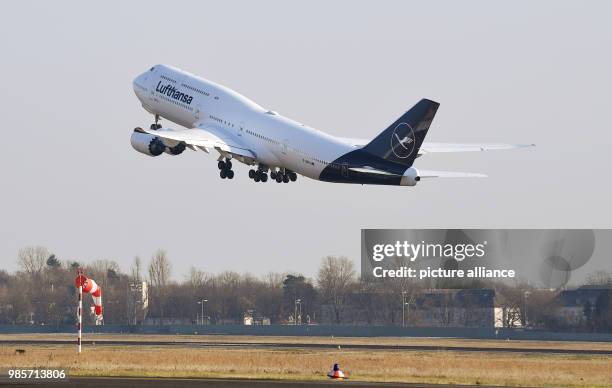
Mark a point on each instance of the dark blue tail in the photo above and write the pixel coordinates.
(400, 143)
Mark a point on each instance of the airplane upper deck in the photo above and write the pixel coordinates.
(220, 91)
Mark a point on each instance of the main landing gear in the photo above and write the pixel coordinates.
(226, 169)
(283, 176)
(259, 175)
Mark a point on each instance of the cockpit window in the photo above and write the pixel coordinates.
(153, 68)
(271, 112)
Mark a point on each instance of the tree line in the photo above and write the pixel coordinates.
(42, 292)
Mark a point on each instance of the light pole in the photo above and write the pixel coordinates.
(295, 310)
(404, 304)
(201, 303)
(525, 295)
(403, 308)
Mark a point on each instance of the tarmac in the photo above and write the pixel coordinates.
(120, 382)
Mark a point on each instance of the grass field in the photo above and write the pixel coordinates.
(553, 370)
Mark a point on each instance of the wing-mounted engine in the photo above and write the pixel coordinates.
(147, 144)
(175, 149)
(152, 145)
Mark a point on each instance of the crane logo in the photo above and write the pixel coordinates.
(403, 140)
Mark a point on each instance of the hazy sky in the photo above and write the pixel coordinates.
(518, 72)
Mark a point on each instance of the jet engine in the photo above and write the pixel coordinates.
(147, 144)
(176, 148)
(411, 177)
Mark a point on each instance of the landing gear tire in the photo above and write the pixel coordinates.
(252, 174)
(278, 178)
(223, 174)
(272, 174)
(221, 165)
(228, 164)
(292, 176)
(230, 174)
(264, 177)
(285, 179)
(256, 179)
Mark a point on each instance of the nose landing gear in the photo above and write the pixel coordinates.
(156, 125)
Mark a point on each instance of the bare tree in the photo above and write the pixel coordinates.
(102, 269)
(336, 275)
(273, 279)
(159, 269)
(514, 303)
(32, 260)
(196, 277)
(159, 277)
(136, 270)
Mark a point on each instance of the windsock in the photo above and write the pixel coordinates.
(90, 286)
(336, 373)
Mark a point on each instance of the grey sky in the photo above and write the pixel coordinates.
(524, 72)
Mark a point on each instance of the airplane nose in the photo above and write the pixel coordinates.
(140, 84)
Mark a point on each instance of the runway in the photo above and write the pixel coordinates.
(103, 382)
(273, 345)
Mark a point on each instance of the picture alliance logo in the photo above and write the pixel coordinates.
(422, 249)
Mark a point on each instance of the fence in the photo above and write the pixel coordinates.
(322, 330)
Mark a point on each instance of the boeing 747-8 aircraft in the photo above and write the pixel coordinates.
(217, 118)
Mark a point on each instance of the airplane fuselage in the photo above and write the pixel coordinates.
(277, 141)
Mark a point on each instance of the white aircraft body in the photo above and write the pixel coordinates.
(218, 118)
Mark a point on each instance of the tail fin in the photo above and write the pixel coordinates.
(400, 142)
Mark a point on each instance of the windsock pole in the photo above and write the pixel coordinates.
(91, 287)
(80, 316)
(79, 282)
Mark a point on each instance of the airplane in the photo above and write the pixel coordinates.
(218, 118)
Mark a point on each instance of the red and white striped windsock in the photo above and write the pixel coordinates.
(92, 287)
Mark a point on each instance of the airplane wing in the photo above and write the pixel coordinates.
(449, 174)
(204, 137)
(428, 148)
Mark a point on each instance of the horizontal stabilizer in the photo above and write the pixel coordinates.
(370, 170)
(449, 174)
